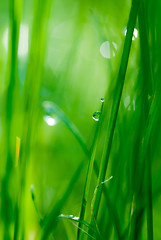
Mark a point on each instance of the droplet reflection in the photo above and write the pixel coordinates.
(96, 115)
(76, 218)
(135, 33)
(50, 121)
(102, 100)
(108, 49)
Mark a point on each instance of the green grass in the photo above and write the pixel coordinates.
(63, 174)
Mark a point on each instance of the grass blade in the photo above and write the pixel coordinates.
(11, 100)
(115, 106)
(147, 91)
(52, 108)
(31, 99)
(89, 172)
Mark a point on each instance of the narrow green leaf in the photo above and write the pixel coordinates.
(115, 106)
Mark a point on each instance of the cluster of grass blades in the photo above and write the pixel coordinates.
(118, 169)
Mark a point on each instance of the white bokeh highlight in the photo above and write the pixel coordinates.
(135, 34)
(23, 40)
(108, 49)
(50, 121)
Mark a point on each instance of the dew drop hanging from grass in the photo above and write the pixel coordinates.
(50, 116)
(96, 115)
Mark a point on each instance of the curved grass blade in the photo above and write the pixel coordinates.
(52, 108)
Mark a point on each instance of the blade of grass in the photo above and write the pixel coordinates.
(89, 172)
(53, 108)
(10, 105)
(143, 161)
(31, 99)
(148, 81)
(113, 213)
(50, 107)
(115, 106)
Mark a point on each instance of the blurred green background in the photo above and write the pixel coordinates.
(68, 55)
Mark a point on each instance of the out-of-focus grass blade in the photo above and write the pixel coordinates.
(52, 108)
(115, 106)
(11, 100)
(50, 220)
(31, 100)
(35, 205)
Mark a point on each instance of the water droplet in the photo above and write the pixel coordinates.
(96, 115)
(108, 49)
(135, 33)
(50, 120)
(76, 218)
(50, 116)
(102, 100)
